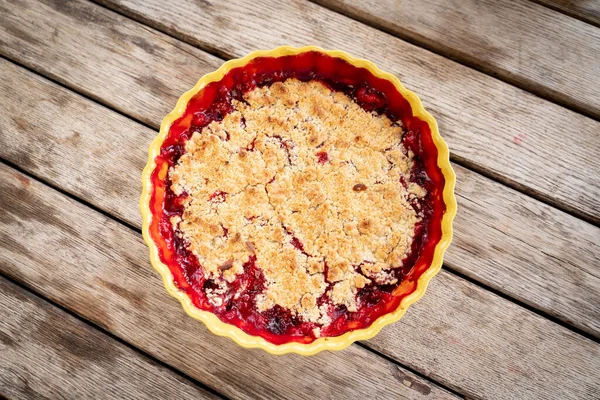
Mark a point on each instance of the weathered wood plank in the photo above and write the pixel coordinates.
(134, 69)
(551, 268)
(513, 353)
(100, 269)
(480, 344)
(588, 10)
(48, 354)
(481, 117)
(530, 45)
(528, 250)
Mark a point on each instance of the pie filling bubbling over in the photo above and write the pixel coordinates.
(297, 213)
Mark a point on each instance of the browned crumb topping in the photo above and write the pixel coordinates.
(300, 177)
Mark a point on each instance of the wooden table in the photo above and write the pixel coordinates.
(515, 87)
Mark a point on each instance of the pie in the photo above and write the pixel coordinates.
(297, 198)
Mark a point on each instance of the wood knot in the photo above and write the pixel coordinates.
(410, 381)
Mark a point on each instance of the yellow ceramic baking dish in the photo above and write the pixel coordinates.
(212, 322)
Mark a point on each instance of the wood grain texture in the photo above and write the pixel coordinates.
(100, 269)
(527, 250)
(131, 68)
(462, 335)
(530, 45)
(491, 126)
(492, 243)
(452, 367)
(48, 354)
(509, 353)
(586, 10)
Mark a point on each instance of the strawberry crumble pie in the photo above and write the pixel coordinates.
(296, 205)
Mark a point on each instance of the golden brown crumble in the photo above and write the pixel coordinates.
(301, 177)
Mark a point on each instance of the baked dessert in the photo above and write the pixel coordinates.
(296, 198)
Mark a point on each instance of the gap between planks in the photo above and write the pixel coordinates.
(103, 331)
(464, 162)
(521, 188)
(365, 345)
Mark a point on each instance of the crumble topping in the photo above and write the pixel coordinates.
(307, 182)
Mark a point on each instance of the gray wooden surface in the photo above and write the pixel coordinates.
(49, 354)
(515, 313)
(548, 53)
(585, 10)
